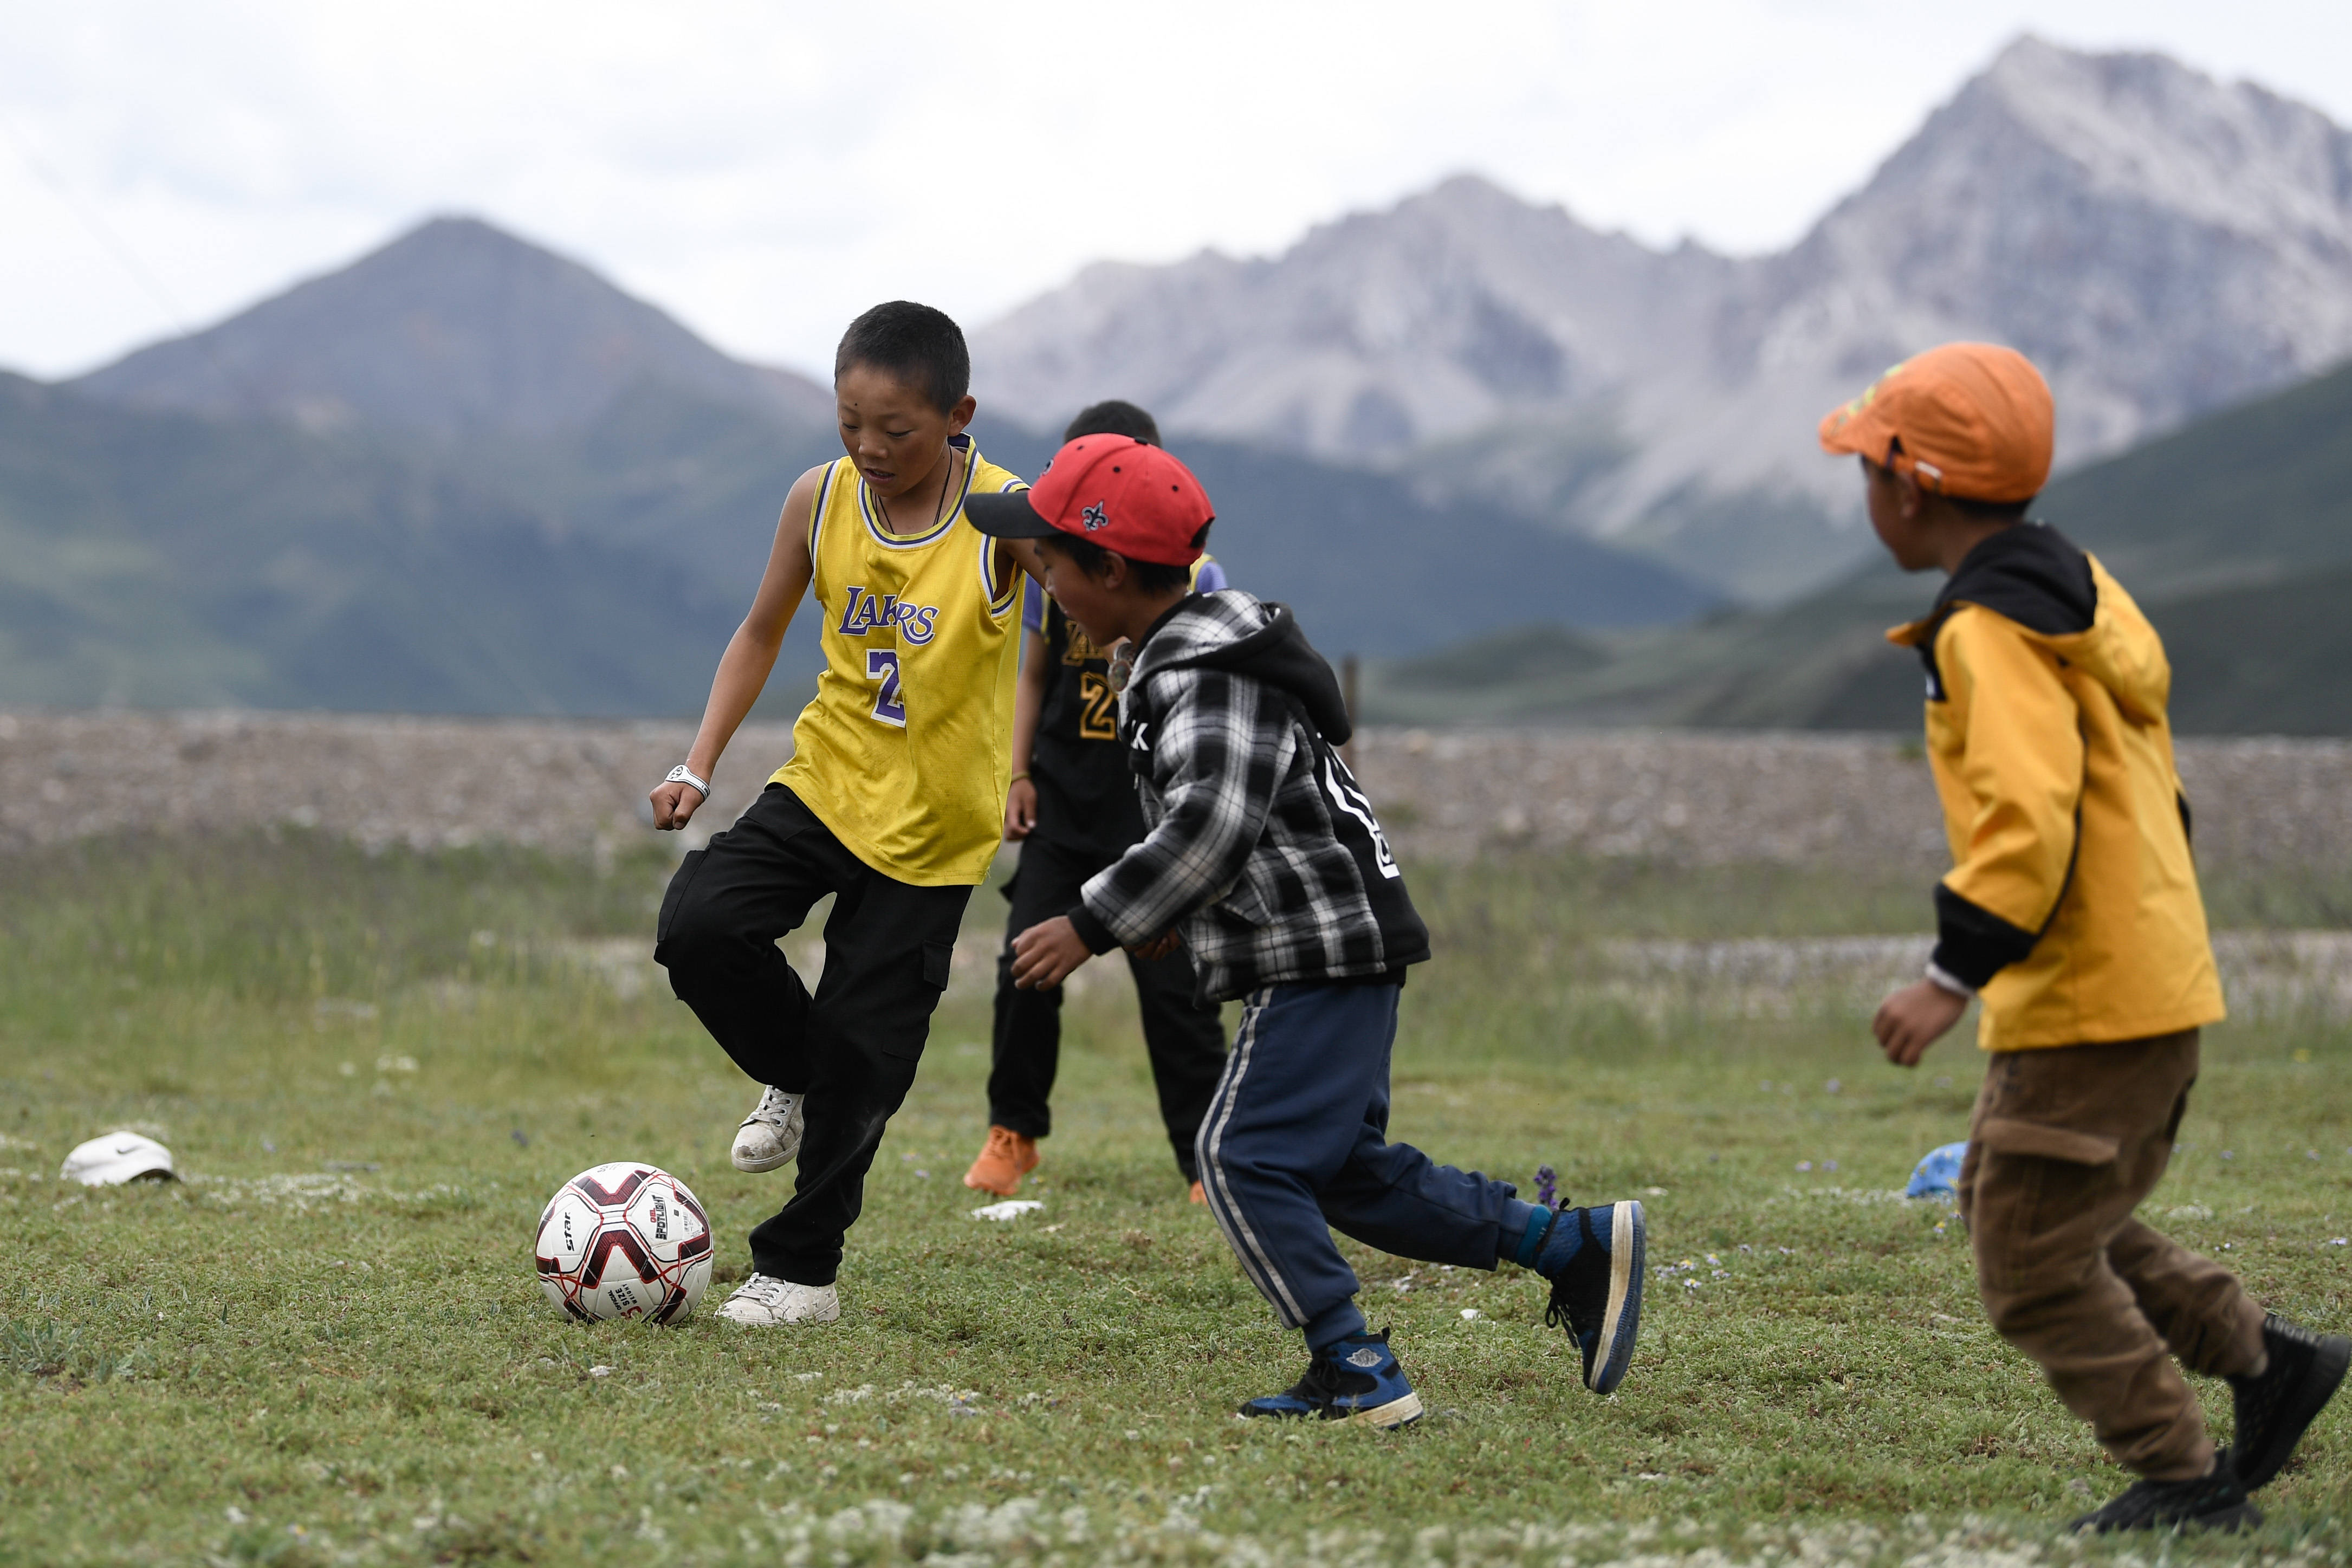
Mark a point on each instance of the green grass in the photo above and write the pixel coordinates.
(328, 1344)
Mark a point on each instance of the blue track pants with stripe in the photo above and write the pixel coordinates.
(1295, 1146)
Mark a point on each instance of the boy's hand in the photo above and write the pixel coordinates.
(1160, 946)
(1020, 810)
(674, 805)
(1046, 954)
(1912, 1019)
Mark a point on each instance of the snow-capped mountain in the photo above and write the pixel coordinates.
(2161, 243)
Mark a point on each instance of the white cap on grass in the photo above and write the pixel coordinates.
(116, 1157)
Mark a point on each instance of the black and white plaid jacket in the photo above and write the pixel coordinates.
(1260, 844)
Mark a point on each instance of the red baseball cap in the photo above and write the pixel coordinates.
(1111, 490)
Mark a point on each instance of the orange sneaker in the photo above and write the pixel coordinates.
(1198, 1196)
(1007, 1158)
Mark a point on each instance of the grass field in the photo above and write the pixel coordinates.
(327, 1345)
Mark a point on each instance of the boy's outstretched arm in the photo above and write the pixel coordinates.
(1217, 761)
(1028, 702)
(2022, 768)
(751, 653)
(1023, 554)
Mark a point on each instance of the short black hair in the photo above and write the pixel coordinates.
(1114, 417)
(1991, 510)
(921, 346)
(1151, 576)
(1967, 506)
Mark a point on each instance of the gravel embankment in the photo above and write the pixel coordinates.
(1859, 801)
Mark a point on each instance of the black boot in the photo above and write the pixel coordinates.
(2277, 1406)
(2215, 1500)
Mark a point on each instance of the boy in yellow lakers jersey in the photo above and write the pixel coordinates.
(892, 801)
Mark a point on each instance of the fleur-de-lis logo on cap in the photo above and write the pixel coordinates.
(1096, 517)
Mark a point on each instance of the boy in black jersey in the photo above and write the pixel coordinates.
(1073, 809)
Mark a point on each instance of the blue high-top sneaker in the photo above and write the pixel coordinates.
(1355, 1378)
(1593, 1258)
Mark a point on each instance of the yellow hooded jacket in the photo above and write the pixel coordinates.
(2072, 903)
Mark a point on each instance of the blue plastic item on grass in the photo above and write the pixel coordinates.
(1939, 1175)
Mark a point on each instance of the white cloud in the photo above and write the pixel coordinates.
(766, 171)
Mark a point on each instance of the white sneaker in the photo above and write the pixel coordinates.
(763, 1301)
(770, 1135)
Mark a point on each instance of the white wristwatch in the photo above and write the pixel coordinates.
(685, 775)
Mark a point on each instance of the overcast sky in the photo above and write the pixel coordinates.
(764, 171)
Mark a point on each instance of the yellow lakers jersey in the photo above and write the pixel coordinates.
(904, 750)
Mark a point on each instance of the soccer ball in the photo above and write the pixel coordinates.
(624, 1241)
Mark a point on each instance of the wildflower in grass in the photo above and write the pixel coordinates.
(1546, 1185)
(1804, 1164)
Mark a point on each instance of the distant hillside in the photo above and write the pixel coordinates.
(1356, 554)
(701, 484)
(2234, 534)
(455, 328)
(2164, 245)
(164, 560)
(466, 475)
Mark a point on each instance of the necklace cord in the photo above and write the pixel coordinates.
(947, 484)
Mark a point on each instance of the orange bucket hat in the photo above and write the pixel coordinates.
(1970, 420)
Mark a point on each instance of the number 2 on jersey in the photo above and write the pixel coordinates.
(1098, 708)
(882, 665)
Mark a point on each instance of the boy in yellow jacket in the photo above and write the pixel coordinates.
(2073, 909)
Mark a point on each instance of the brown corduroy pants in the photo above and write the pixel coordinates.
(2065, 1144)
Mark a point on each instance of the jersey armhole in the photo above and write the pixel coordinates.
(1000, 596)
(1000, 600)
(816, 520)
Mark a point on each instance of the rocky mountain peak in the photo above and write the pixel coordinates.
(2236, 156)
(2162, 244)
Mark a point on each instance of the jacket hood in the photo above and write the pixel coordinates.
(1232, 630)
(2060, 596)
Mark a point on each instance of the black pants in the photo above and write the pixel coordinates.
(852, 1047)
(1186, 1039)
